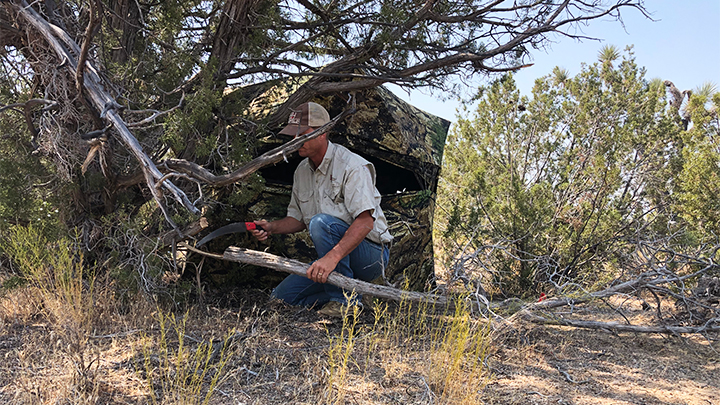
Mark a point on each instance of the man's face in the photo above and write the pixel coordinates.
(313, 146)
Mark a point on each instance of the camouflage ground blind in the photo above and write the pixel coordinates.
(405, 144)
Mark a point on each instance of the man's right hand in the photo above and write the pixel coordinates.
(280, 227)
(262, 234)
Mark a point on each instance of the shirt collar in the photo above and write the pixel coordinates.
(325, 164)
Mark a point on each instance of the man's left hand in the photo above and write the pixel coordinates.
(321, 269)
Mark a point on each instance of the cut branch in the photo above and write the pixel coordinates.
(291, 266)
(190, 229)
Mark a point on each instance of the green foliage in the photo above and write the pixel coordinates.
(21, 202)
(192, 127)
(608, 54)
(699, 180)
(561, 182)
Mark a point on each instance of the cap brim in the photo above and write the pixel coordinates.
(294, 130)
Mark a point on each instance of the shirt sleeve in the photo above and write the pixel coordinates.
(293, 210)
(360, 192)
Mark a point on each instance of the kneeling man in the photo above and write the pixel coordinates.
(335, 198)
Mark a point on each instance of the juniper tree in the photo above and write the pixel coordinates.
(558, 186)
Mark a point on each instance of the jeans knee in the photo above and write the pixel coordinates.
(320, 224)
(279, 293)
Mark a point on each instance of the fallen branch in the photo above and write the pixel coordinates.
(291, 266)
(709, 326)
(644, 280)
(567, 376)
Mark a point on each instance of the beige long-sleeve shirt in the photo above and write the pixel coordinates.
(342, 186)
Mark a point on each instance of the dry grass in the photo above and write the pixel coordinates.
(293, 356)
(534, 364)
(69, 341)
(283, 355)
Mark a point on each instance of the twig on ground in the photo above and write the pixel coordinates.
(568, 377)
(114, 335)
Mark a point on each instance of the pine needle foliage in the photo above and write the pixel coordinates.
(556, 187)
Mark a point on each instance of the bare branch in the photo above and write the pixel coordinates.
(30, 104)
(274, 156)
(90, 31)
(27, 113)
(103, 100)
(296, 267)
(709, 326)
(156, 114)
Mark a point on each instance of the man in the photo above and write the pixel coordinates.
(335, 199)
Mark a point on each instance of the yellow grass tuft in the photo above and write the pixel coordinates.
(442, 353)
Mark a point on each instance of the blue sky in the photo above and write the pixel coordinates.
(682, 45)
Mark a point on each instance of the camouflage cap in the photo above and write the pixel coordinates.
(304, 116)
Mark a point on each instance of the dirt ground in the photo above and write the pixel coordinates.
(560, 365)
(281, 357)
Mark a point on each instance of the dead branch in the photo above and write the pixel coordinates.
(567, 376)
(27, 112)
(631, 285)
(30, 104)
(291, 266)
(274, 156)
(155, 114)
(103, 101)
(709, 326)
(89, 33)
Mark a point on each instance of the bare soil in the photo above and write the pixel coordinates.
(560, 365)
(281, 357)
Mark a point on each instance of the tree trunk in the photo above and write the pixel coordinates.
(125, 20)
(233, 28)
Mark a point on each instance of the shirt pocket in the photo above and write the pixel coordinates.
(305, 202)
(335, 193)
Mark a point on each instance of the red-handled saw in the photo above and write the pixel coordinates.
(230, 228)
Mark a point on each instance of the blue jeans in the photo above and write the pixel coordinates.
(366, 263)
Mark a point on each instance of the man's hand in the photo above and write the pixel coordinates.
(280, 227)
(320, 270)
(262, 234)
